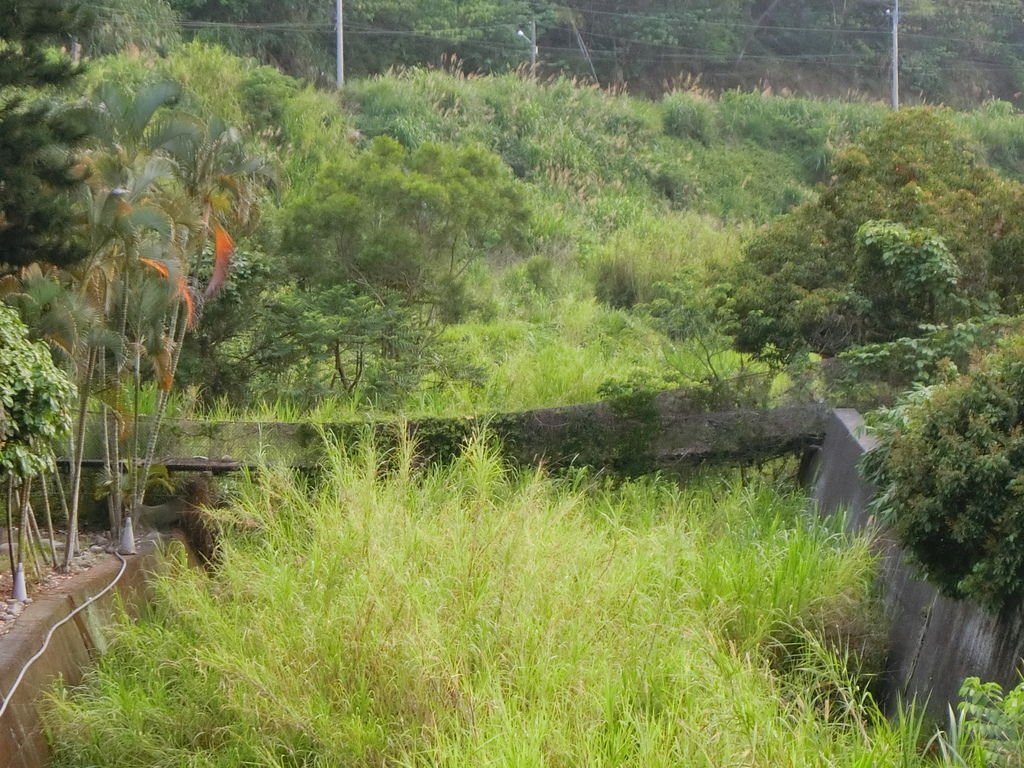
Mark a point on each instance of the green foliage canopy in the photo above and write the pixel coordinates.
(35, 400)
(950, 471)
(379, 247)
(908, 275)
(406, 221)
(907, 232)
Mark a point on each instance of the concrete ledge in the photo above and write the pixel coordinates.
(665, 431)
(73, 648)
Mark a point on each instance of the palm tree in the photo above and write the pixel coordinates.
(162, 191)
(225, 184)
(128, 217)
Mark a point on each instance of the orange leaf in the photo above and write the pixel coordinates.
(190, 307)
(223, 249)
(158, 267)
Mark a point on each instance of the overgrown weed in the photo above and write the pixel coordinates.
(477, 615)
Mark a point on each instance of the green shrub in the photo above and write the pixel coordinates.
(265, 94)
(617, 283)
(35, 401)
(993, 723)
(909, 232)
(687, 116)
(908, 276)
(950, 473)
(674, 178)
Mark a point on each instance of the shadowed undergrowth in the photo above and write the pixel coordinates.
(470, 615)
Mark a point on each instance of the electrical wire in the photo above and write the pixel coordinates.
(324, 26)
(58, 625)
(666, 52)
(445, 33)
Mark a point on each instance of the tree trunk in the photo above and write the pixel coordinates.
(78, 448)
(49, 521)
(161, 408)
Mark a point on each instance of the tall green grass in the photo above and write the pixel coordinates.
(746, 156)
(471, 615)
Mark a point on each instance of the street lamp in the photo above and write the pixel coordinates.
(532, 40)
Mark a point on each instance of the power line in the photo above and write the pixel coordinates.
(666, 51)
(453, 33)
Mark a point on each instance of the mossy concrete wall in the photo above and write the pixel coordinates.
(73, 648)
(934, 642)
(666, 431)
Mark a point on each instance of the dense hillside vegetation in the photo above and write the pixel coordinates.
(612, 227)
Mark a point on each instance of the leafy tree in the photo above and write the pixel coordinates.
(219, 356)
(36, 135)
(907, 274)
(384, 240)
(34, 401)
(950, 473)
(369, 343)
(907, 232)
(407, 221)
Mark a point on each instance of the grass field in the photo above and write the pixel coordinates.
(390, 615)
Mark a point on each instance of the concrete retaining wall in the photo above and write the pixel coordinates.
(667, 431)
(934, 642)
(72, 650)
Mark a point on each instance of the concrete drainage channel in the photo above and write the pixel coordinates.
(934, 642)
(73, 647)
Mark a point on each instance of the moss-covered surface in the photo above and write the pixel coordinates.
(666, 432)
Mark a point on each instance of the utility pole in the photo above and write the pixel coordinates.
(533, 48)
(894, 14)
(340, 32)
(532, 40)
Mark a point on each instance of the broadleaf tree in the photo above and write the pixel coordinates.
(381, 245)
